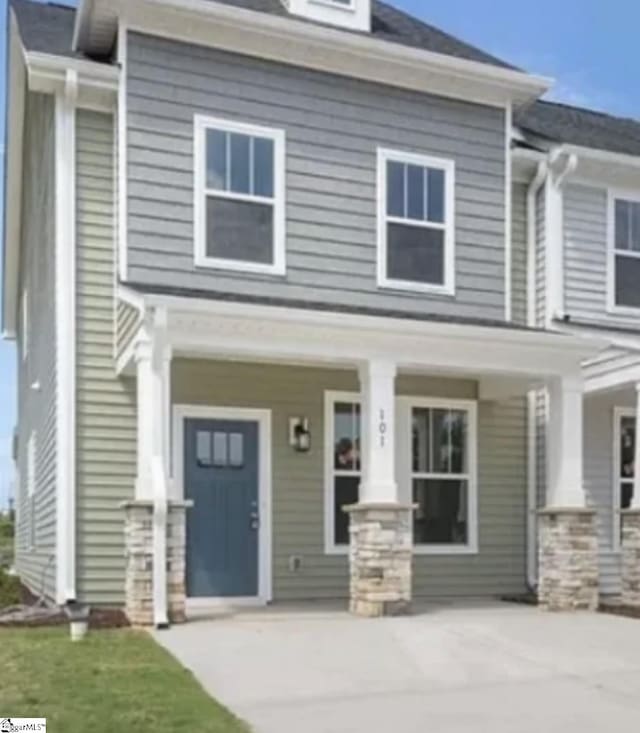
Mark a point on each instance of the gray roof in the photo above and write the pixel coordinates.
(587, 128)
(47, 28)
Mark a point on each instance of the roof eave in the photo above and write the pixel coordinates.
(96, 27)
(16, 91)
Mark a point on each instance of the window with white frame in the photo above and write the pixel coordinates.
(343, 467)
(31, 488)
(624, 465)
(416, 222)
(443, 480)
(625, 255)
(240, 196)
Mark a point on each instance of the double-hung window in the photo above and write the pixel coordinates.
(343, 469)
(624, 431)
(443, 476)
(416, 222)
(624, 264)
(239, 196)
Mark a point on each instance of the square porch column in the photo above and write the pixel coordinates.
(631, 528)
(568, 547)
(380, 525)
(155, 532)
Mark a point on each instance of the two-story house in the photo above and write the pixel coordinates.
(307, 296)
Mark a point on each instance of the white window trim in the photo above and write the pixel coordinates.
(613, 196)
(25, 324)
(618, 414)
(404, 442)
(330, 400)
(448, 166)
(404, 406)
(201, 125)
(349, 6)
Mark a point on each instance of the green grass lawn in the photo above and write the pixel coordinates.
(114, 680)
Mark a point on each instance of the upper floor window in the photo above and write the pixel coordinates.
(416, 222)
(353, 14)
(239, 197)
(625, 253)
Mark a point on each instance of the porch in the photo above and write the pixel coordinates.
(272, 422)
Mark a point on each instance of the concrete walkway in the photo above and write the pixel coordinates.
(498, 669)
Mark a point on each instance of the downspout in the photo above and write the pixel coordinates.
(532, 473)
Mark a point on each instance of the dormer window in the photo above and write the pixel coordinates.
(352, 14)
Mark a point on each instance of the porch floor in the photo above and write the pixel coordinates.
(450, 668)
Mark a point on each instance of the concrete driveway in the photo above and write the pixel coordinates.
(495, 668)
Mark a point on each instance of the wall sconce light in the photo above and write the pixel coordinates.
(299, 434)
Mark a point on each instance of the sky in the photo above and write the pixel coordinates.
(590, 47)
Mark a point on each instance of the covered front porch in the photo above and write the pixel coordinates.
(290, 454)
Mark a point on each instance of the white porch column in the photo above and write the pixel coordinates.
(377, 382)
(153, 594)
(568, 547)
(565, 443)
(380, 526)
(631, 529)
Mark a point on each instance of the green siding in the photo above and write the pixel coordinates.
(298, 479)
(106, 425)
(37, 407)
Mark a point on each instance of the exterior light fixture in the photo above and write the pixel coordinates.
(299, 434)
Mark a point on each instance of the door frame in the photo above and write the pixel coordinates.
(181, 413)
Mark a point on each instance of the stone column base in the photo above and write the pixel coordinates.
(631, 558)
(568, 560)
(381, 558)
(138, 531)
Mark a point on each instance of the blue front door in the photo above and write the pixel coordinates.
(221, 477)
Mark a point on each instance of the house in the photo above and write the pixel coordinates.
(314, 301)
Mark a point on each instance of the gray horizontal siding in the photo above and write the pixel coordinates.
(333, 126)
(106, 419)
(519, 253)
(37, 408)
(585, 256)
(298, 479)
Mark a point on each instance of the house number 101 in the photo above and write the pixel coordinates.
(382, 429)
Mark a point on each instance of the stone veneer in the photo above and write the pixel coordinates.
(568, 560)
(139, 562)
(381, 556)
(631, 558)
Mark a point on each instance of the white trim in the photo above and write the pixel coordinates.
(311, 45)
(508, 207)
(25, 321)
(353, 14)
(613, 195)
(201, 192)
(331, 397)
(183, 412)
(404, 442)
(618, 414)
(385, 156)
(65, 311)
(122, 138)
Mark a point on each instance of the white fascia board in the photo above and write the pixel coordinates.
(249, 330)
(13, 178)
(602, 156)
(311, 45)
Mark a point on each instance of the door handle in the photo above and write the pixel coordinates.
(254, 520)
